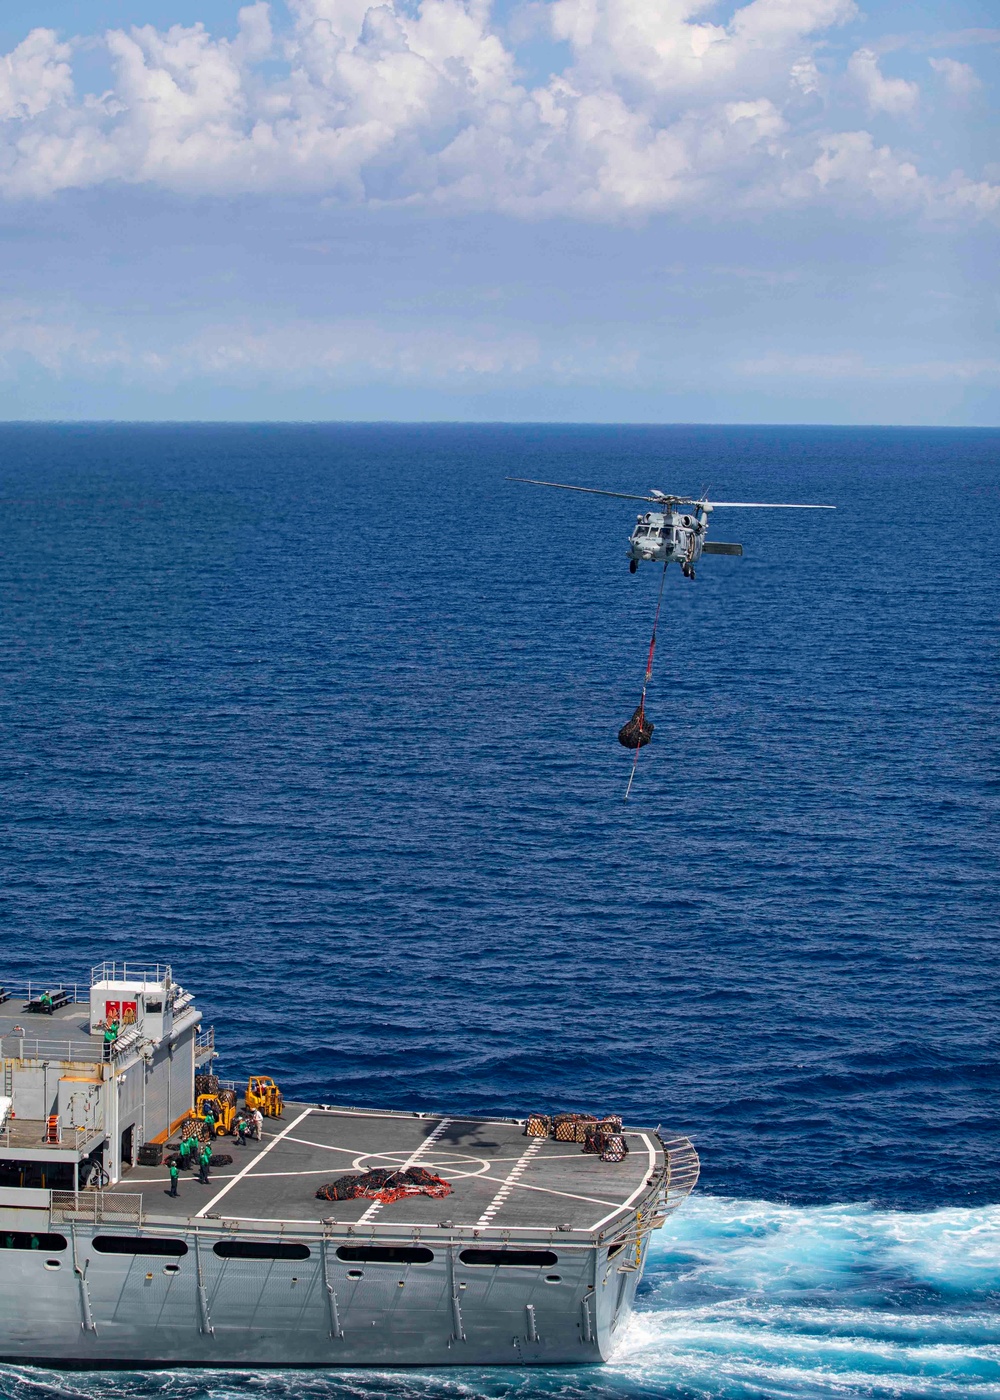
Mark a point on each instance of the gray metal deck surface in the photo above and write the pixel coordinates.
(66, 1030)
(500, 1178)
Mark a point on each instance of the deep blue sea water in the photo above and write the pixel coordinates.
(326, 717)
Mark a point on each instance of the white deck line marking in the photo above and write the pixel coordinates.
(522, 1163)
(327, 1146)
(638, 1190)
(391, 1158)
(411, 1161)
(551, 1191)
(250, 1165)
(552, 1157)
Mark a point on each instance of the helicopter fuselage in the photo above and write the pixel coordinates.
(667, 537)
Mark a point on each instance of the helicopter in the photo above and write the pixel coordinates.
(667, 535)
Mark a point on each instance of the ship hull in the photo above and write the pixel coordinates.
(129, 1313)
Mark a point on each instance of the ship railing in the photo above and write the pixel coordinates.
(96, 1207)
(48, 1132)
(683, 1170)
(204, 1045)
(159, 975)
(23, 1047)
(13, 992)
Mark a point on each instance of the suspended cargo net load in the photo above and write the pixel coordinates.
(638, 732)
(386, 1185)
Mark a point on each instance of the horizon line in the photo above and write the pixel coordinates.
(479, 423)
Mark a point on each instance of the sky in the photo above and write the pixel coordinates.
(546, 210)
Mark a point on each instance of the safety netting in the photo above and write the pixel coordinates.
(386, 1184)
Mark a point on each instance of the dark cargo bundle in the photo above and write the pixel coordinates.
(206, 1084)
(599, 1135)
(151, 1154)
(594, 1138)
(638, 732)
(220, 1159)
(385, 1184)
(538, 1125)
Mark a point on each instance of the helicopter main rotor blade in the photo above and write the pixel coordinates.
(765, 505)
(591, 490)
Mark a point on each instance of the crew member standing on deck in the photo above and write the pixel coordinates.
(206, 1157)
(184, 1152)
(174, 1174)
(110, 1036)
(257, 1122)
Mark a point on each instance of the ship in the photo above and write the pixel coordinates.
(527, 1249)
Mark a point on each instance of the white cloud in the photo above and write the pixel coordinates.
(960, 79)
(659, 107)
(893, 95)
(855, 367)
(341, 351)
(34, 76)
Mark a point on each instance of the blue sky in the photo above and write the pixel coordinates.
(784, 210)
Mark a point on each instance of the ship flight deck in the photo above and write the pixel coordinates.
(501, 1180)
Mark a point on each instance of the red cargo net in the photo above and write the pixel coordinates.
(386, 1185)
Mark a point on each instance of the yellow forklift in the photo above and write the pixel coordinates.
(263, 1093)
(223, 1111)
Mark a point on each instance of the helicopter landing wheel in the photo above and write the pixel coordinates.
(633, 566)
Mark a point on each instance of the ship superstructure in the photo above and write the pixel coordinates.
(534, 1255)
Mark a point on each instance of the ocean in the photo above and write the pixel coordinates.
(326, 716)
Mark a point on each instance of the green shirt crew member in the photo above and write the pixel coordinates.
(174, 1174)
(204, 1160)
(45, 1002)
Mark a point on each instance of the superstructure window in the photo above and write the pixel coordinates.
(28, 1239)
(260, 1249)
(139, 1244)
(384, 1254)
(522, 1258)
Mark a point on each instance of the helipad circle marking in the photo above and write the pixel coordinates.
(450, 1163)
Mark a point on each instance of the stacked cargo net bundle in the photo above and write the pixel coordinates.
(572, 1127)
(206, 1084)
(386, 1185)
(606, 1140)
(196, 1128)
